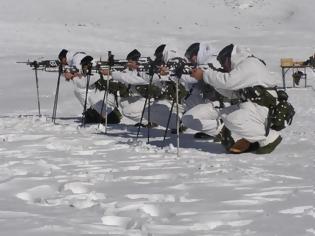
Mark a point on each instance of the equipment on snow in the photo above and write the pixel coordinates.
(87, 71)
(151, 72)
(47, 65)
(56, 95)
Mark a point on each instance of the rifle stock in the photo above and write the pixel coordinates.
(45, 65)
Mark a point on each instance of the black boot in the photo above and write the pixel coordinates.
(148, 125)
(114, 117)
(91, 116)
(182, 129)
(225, 137)
(139, 124)
(201, 135)
(270, 147)
(151, 125)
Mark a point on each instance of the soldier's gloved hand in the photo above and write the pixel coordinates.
(197, 73)
(164, 70)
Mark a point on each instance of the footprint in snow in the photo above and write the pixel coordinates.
(76, 187)
(300, 211)
(38, 194)
(119, 221)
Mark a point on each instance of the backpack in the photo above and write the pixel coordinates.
(282, 113)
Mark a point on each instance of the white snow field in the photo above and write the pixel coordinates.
(67, 180)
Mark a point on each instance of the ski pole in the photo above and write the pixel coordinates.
(37, 86)
(86, 95)
(144, 106)
(106, 102)
(56, 95)
(149, 115)
(168, 120)
(142, 114)
(177, 116)
(102, 108)
(111, 61)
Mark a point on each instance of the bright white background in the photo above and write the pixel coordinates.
(65, 180)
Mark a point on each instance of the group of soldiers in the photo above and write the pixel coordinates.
(227, 96)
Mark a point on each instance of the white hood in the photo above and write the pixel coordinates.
(239, 53)
(206, 53)
(246, 72)
(75, 61)
(169, 52)
(69, 57)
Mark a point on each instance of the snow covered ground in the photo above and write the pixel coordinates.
(66, 180)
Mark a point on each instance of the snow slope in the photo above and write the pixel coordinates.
(66, 180)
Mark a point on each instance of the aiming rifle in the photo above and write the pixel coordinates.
(70, 69)
(179, 69)
(47, 65)
(151, 71)
(117, 65)
(110, 62)
(120, 65)
(178, 66)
